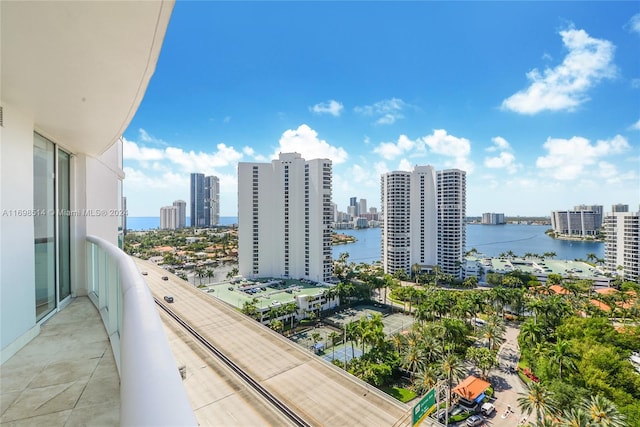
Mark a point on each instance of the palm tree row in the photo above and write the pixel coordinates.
(595, 411)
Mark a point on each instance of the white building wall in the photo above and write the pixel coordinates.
(95, 209)
(17, 275)
(424, 217)
(274, 238)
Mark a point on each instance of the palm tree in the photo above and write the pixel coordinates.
(537, 399)
(425, 379)
(334, 337)
(530, 332)
(398, 341)
(233, 272)
(351, 334)
(493, 331)
(562, 355)
(452, 369)
(276, 325)
(415, 270)
(290, 310)
(603, 412)
(576, 417)
(209, 273)
(412, 361)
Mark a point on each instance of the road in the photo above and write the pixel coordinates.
(507, 384)
(321, 393)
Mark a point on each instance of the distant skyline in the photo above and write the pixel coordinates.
(539, 102)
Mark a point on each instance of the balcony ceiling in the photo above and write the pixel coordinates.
(80, 68)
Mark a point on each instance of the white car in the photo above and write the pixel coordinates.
(487, 409)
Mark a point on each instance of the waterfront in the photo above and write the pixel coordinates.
(490, 240)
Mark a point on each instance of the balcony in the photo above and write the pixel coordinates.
(102, 360)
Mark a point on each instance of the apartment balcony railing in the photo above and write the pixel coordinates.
(151, 389)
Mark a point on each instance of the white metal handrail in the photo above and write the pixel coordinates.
(151, 389)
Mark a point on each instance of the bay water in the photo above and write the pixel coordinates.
(490, 240)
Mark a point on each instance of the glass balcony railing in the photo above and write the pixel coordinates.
(151, 389)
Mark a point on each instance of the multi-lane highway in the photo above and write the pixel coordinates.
(247, 374)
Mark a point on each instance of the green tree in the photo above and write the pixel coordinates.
(334, 338)
(537, 399)
(562, 356)
(483, 358)
(603, 413)
(425, 379)
(452, 369)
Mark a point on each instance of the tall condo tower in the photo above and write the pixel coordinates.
(622, 247)
(181, 213)
(211, 201)
(423, 214)
(284, 218)
(197, 200)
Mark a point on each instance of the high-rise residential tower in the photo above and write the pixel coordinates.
(168, 217)
(622, 243)
(197, 200)
(181, 213)
(284, 218)
(211, 201)
(423, 214)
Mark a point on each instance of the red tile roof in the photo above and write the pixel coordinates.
(471, 388)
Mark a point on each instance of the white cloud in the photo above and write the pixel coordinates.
(391, 150)
(499, 143)
(565, 87)
(191, 161)
(455, 149)
(567, 159)
(636, 125)
(304, 140)
(131, 151)
(405, 165)
(505, 159)
(387, 111)
(448, 145)
(330, 107)
(634, 23)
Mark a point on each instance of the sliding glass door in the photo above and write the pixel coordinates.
(64, 226)
(52, 227)
(44, 225)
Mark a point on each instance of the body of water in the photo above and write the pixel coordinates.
(142, 223)
(490, 240)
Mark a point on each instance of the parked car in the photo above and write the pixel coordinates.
(487, 409)
(474, 420)
(168, 298)
(165, 278)
(144, 273)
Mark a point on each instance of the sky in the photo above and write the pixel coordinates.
(539, 102)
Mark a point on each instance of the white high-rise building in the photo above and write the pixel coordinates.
(423, 214)
(181, 220)
(622, 244)
(168, 218)
(211, 201)
(284, 218)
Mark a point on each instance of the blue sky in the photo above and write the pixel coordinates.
(538, 101)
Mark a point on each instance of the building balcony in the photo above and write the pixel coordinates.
(101, 360)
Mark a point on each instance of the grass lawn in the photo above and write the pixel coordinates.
(402, 394)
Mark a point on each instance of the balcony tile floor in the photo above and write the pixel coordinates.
(66, 376)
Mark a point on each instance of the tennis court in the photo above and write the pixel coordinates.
(393, 323)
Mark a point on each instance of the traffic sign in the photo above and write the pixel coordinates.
(424, 407)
